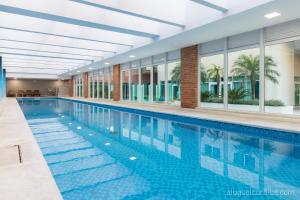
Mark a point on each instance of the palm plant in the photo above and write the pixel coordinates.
(216, 73)
(175, 74)
(248, 66)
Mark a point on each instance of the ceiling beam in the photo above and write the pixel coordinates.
(40, 51)
(32, 73)
(43, 56)
(36, 63)
(211, 5)
(98, 5)
(73, 21)
(64, 36)
(55, 45)
(47, 61)
(21, 67)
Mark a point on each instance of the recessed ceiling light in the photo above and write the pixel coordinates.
(132, 56)
(78, 71)
(107, 63)
(272, 15)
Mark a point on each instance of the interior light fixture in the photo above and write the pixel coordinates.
(132, 56)
(90, 68)
(272, 15)
(107, 63)
(78, 71)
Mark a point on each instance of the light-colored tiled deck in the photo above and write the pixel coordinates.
(279, 122)
(31, 179)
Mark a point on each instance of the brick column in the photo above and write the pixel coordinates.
(86, 84)
(116, 81)
(71, 87)
(189, 77)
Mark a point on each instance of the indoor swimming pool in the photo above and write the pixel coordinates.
(106, 152)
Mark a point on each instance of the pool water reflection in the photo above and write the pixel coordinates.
(124, 155)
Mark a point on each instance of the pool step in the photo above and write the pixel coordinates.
(48, 138)
(113, 190)
(71, 155)
(66, 148)
(80, 164)
(91, 177)
(58, 143)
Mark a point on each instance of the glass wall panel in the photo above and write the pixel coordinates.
(243, 80)
(111, 79)
(90, 85)
(105, 83)
(125, 85)
(282, 78)
(134, 84)
(95, 85)
(159, 83)
(100, 84)
(145, 83)
(212, 81)
(174, 83)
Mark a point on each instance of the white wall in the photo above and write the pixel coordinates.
(283, 56)
(32, 84)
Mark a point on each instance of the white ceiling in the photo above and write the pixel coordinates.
(47, 38)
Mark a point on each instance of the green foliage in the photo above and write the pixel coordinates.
(274, 102)
(248, 66)
(205, 96)
(175, 74)
(215, 73)
(237, 94)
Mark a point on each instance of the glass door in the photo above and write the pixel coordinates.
(297, 95)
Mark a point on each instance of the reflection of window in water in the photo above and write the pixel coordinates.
(244, 161)
(212, 152)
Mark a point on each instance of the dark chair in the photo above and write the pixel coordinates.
(29, 93)
(36, 93)
(20, 93)
(11, 93)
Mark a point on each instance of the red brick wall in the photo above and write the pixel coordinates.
(116, 81)
(71, 86)
(189, 77)
(86, 84)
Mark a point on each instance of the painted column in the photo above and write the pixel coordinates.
(1, 79)
(116, 82)
(189, 77)
(71, 87)
(4, 82)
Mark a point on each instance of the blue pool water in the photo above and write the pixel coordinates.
(103, 152)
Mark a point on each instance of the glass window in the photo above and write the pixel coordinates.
(174, 83)
(95, 85)
(159, 83)
(100, 85)
(105, 84)
(111, 78)
(212, 81)
(145, 83)
(125, 85)
(134, 84)
(90, 86)
(243, 80)
(282, 78)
